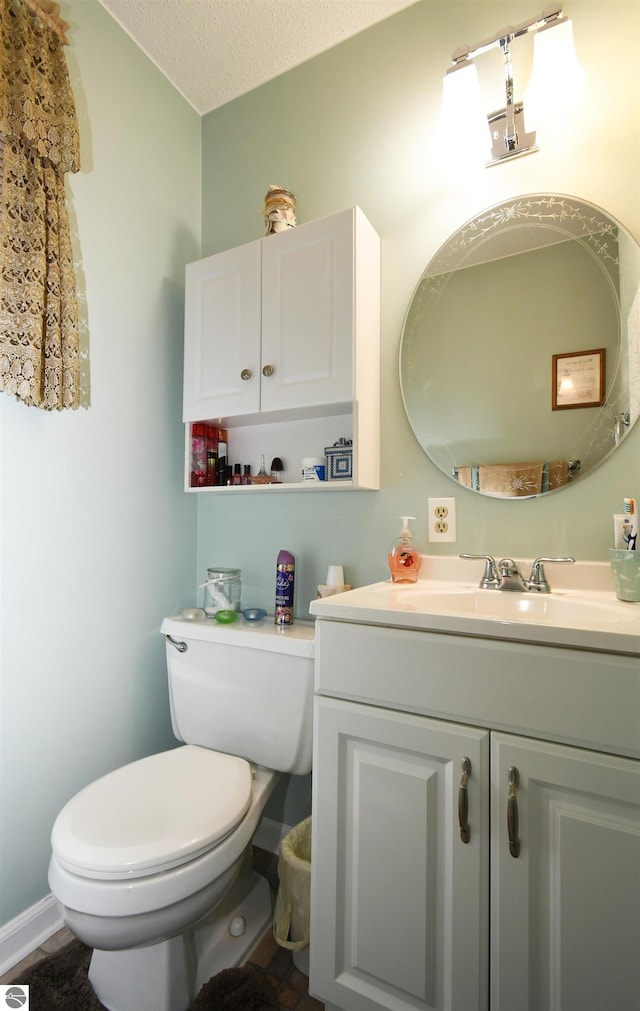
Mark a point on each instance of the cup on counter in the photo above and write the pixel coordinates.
(313, 468)
(625, 567)
(335, 575)
(335, 582)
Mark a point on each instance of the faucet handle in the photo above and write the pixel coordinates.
(490, 579)
(538, 581)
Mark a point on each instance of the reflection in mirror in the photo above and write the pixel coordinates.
(540, 290)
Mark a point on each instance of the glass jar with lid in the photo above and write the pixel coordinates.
(222, 590)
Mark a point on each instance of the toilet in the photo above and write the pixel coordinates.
(151, 864)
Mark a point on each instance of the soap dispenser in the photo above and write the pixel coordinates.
(404, 560)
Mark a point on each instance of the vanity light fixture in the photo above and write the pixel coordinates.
(461, 95)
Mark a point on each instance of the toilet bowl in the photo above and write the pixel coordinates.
(151, 864)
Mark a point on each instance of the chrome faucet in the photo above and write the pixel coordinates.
(505, 574)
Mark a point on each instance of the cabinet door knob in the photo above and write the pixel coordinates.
(267, 370)
(512, 813)
(463, 801)
(245, 374)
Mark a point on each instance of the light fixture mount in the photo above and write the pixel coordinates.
(509, 142)
(509, 139)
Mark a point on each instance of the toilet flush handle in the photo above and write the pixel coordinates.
(180, 646)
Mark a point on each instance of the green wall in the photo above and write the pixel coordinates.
(96, 535)
(359, 125)
(98, 539)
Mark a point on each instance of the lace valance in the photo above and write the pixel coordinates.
(39, 359)
(36, 101)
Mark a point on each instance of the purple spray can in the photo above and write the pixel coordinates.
(285, 573)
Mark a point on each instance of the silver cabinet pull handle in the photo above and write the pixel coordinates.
(245, 374)
(267, 371)
(463, 801)
(512, 813)
(180, 646)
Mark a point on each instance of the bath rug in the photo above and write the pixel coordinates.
(59, 982)
(239, 989)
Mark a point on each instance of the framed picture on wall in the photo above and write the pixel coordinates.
(578, 379)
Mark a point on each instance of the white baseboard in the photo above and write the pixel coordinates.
(22, 935)
(270, 834)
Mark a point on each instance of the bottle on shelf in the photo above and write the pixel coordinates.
(212, 466)
(237, 475)
(212, 454)
(222, 456)
(198, 455)
(246, 477)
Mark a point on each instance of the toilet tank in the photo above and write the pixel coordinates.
(245, 689)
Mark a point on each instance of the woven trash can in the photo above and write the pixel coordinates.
(291, 917)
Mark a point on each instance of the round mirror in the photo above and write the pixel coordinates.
(520, 352)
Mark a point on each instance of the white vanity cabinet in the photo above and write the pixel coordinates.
(406, 915)
(565, 915)
(398, 898)
(287, 328)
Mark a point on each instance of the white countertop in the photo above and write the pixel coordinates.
(581, 612)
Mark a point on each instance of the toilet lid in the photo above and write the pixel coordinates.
(153, 814)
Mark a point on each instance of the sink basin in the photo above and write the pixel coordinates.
(565, 610)
(592, 619)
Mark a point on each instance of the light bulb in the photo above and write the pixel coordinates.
(558, 80)
(464, 130)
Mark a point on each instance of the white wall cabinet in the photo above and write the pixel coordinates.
(312, 277)
(403, 917)
(222, 334)
(287, 328)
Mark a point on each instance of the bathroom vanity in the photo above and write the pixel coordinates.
(477, 797)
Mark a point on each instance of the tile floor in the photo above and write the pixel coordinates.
(291, 985)
(48, 947)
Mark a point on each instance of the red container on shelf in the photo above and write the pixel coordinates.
(199, 447)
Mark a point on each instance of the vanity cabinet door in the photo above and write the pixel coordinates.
(566, 912)
(399, 902)
(222, 334)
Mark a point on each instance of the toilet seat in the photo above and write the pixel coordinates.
(121, 896)
(152, 815)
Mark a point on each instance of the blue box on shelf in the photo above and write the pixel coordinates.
(340, 460)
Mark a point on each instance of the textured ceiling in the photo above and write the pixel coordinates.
(214, 50)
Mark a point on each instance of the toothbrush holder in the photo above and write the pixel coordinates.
(625, 567)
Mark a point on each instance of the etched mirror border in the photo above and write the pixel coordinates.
(570, 218)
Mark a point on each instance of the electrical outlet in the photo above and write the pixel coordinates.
(442, 519)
